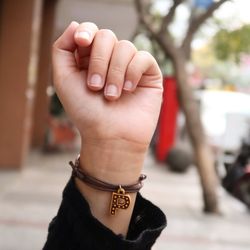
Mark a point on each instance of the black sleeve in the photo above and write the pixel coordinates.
(75, 228)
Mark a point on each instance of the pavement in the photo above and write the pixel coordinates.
(29, 199)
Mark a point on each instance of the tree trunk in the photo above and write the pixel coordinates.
(179, 57)
(204, 158)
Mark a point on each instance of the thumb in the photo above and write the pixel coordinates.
(63, 59)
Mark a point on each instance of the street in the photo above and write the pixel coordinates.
(30, 198)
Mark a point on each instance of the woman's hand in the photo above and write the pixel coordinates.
(110, 90)
(113, 94)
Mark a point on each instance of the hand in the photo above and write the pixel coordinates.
(113, 94)
(108, 109)
(111, 91)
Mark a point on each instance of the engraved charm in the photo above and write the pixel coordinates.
(119, 200)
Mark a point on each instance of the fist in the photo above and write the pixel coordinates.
(108, 88)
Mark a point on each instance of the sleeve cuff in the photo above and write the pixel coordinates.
(76, 226)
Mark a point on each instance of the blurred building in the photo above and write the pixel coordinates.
(27, 29)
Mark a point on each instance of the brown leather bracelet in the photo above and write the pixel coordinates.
(120, 199)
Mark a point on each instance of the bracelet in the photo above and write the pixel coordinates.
(120, 198)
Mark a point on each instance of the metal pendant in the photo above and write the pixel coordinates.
(119, 200)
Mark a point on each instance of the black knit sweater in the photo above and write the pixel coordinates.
(75, 228)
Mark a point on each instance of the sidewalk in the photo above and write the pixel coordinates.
(30, 198)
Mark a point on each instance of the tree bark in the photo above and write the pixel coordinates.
(204, 159)
(202, 152)
(179, 57)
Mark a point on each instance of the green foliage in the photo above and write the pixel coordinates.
(229, 45)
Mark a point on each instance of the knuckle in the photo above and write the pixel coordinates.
(126, 44)
(87, 25)
(117, 71)
(133, 70)
(100, 60)
(90, 24)
(106, 33)
(145, 53)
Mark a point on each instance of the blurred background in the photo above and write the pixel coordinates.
(198, 165)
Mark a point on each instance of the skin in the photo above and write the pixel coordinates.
(113, 93)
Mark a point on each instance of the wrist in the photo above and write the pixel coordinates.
(114, 161)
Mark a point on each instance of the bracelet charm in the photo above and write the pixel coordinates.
(119, 200)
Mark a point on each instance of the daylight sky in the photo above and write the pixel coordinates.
(239, 9)
(234, 14)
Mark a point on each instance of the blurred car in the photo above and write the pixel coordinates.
(225, 116)
(226, 119)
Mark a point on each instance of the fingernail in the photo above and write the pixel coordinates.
(111, 90)
(128, 85)
(83, 35)
(95, 80)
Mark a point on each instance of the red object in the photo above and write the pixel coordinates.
(167, 120)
